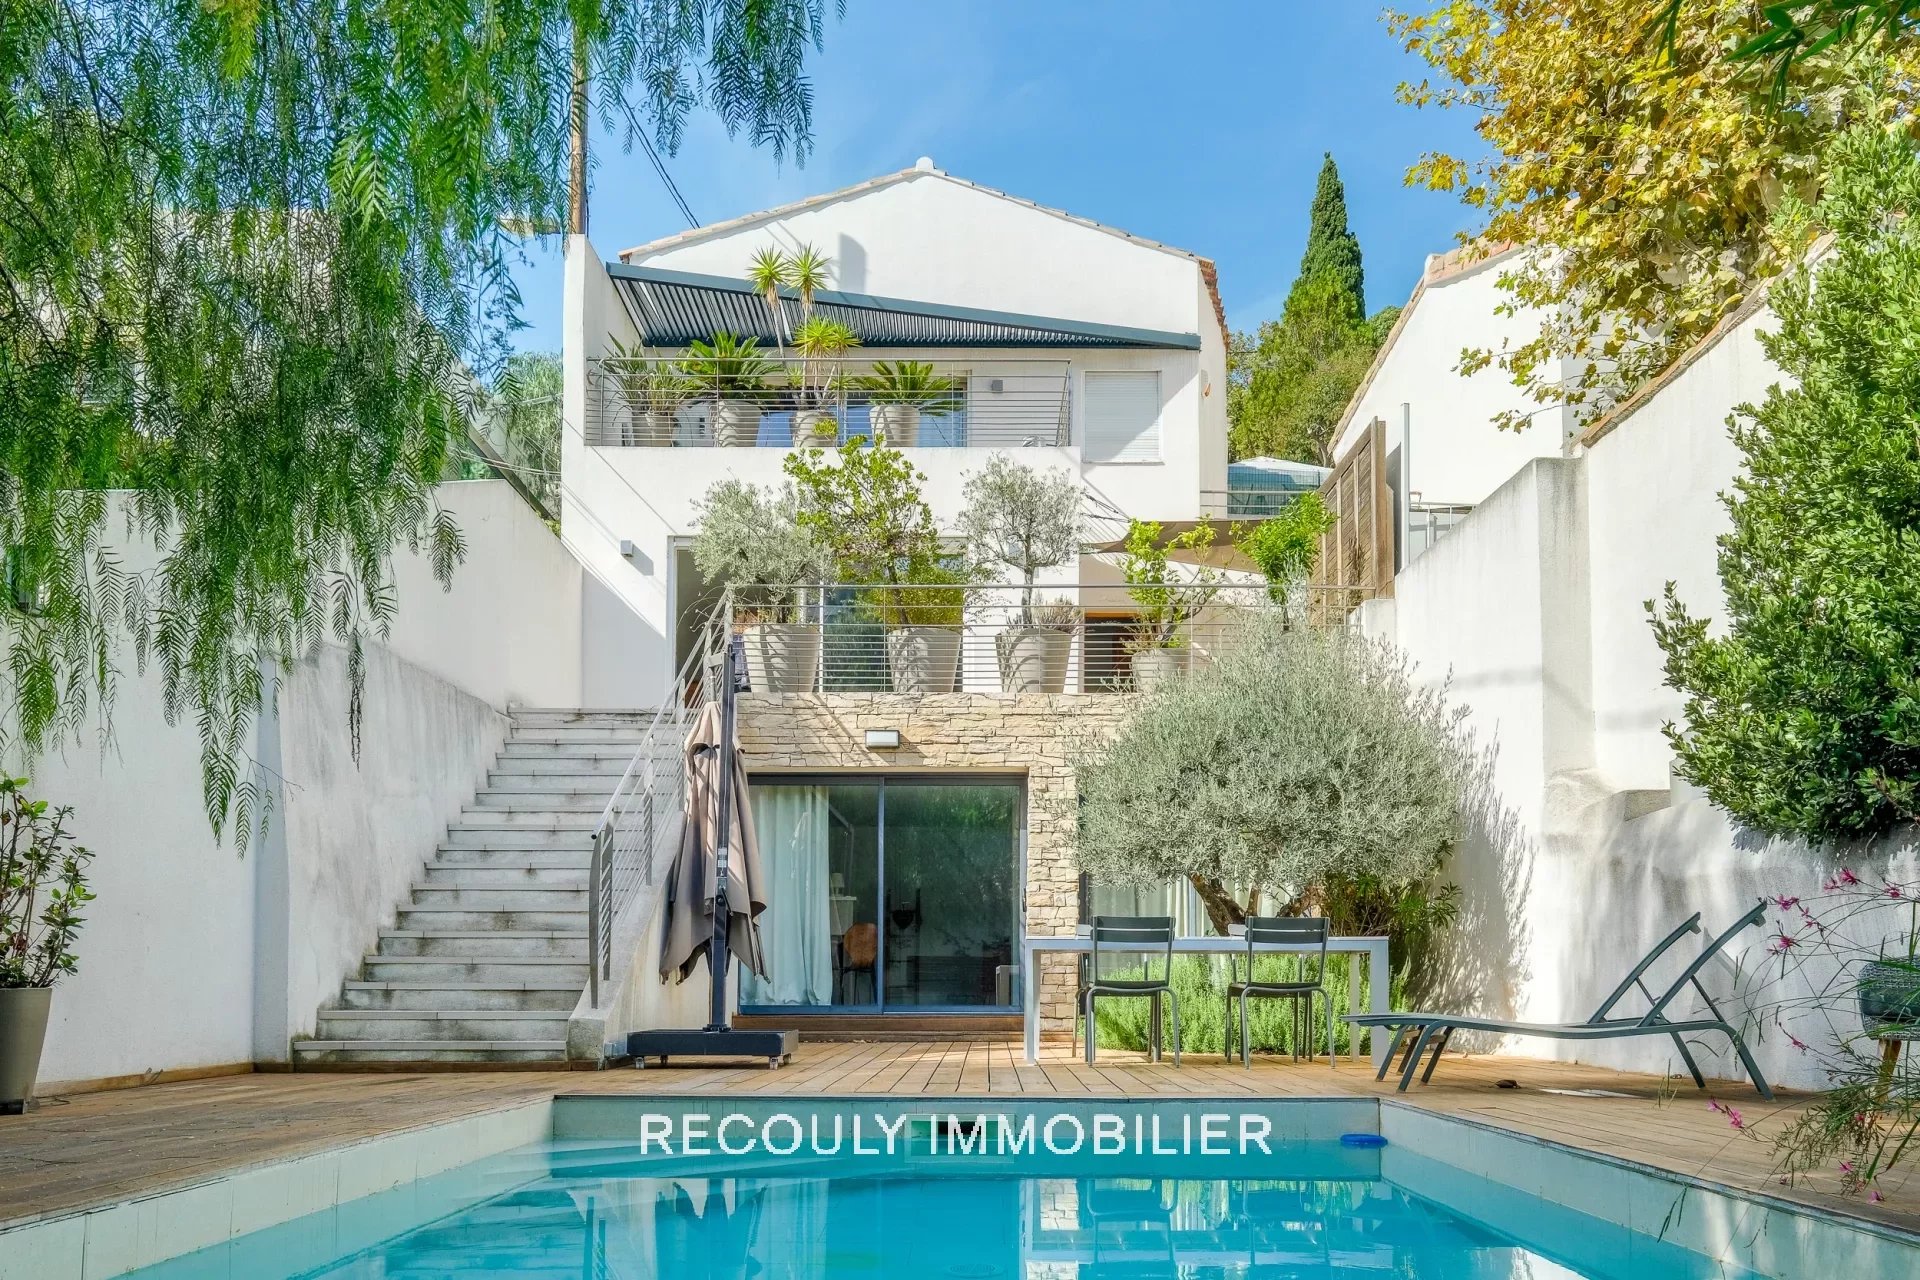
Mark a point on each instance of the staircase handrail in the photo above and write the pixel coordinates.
(630, 842)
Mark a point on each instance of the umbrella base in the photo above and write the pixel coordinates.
(775, 1046)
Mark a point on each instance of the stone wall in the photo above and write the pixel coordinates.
(1026, 734)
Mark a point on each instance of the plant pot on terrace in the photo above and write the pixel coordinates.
(1155, 667)
(1889, 995)
(42, 888)
(815, 429)
(900, 391)
(782, 657)
(924, 659)
(23, 1031)
(1034, 654)
(730, 371)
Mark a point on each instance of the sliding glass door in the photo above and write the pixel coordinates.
(888, 894)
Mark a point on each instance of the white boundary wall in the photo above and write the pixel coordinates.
(194, 956)
(1534, 605)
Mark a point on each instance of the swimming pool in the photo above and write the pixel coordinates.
(801, 1191)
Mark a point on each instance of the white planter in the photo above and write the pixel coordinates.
(897, 424)
(1154, 667)
(651, 428)
(1034, 660)
(924, 659)
(782, 657)
(23, 1030)
(736, 423)
(815, 429)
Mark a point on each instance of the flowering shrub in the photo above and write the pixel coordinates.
(1846, 993)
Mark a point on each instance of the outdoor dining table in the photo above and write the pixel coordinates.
(1374, 949)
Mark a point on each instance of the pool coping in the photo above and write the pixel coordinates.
(101, 1241)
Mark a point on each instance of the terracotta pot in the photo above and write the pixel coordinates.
(924, 659)
(23, 1030)
(782, 657)
(898, 424)
(736, 423)
(1034, 660)
(1154, 667)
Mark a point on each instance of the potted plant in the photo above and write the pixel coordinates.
(820, 343)
(1166, 603)
(864, 503)
(751, 541)
(1853, 947)
(731, 370)
(43, 885)
(1028, 520)
(653, 391)
(899, 392)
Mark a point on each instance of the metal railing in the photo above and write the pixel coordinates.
(1427, 523)
(1074, 638)
(781, 403)
(1246, 504)
(638, 831)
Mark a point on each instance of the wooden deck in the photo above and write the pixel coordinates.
(101, 1148)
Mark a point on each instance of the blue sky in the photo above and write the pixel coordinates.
(1201, 125)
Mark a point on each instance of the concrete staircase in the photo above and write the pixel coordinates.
(489, 954)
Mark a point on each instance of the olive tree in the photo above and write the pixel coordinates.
(750, 538)
(1302, 769)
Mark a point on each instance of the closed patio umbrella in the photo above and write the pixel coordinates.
(692, 883)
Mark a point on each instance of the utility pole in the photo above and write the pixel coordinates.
(577, 131)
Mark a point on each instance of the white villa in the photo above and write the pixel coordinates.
(1076, 347)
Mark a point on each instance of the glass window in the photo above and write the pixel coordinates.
(888, 894)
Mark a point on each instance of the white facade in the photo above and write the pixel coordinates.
(918, 236)
(1458, 456)
(1533, 610)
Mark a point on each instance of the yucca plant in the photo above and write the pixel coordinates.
(817, 384)
(732, 370)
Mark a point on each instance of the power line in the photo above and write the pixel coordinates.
(633, 123)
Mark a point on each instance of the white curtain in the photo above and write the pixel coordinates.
(796, 934)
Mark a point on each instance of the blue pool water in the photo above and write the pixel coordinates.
(593, 1210)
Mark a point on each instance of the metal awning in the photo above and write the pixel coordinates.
(673, 308)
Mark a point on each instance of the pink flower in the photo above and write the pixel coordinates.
(1780, 944)
(1875, 1196)
(1796, 1042)
(1846, 877)
(1785, 903)
(1893, 890)
(1732, 1115)
(1846, 1166)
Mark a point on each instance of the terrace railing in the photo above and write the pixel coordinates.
(999, 638)
(638, 832)
(782, 403)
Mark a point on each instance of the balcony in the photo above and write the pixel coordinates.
(1068, 638)
(677, 402)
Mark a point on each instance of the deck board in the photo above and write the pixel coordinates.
(101, 1148)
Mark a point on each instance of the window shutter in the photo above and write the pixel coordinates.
(1122, 416)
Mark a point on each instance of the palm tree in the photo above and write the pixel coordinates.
(769, 270)
(808, 271)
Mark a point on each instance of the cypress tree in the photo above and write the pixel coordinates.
(1333, 250)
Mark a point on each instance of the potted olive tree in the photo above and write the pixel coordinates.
(1165, 602)
(899, 392)
(817, 383)
(731, 370)
(43, 885)
(864, 502)
(1028, 520)
(751, 540)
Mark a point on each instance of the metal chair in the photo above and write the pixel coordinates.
(1133, 936)
(1281, 935)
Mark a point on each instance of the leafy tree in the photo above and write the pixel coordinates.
(1284, 547)
(1298, 761)
(1021, 517)
(1647, 183)
(1795, 32)
(1289, 383)
(750, 538)
(248, 253)
(1803, 714)
(863, 503)
(526, 404)
(1288, 387)
(1333, 251)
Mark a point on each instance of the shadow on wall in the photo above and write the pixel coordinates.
(1481, 963)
